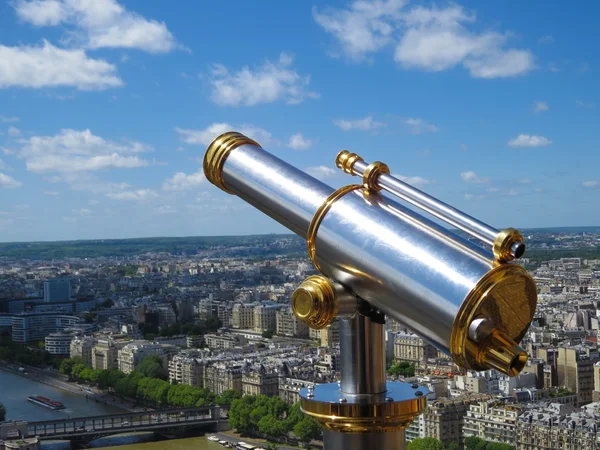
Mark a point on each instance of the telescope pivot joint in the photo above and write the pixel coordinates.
(318, 301)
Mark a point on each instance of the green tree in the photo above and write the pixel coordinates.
(427, 443)
(474, 443)
(2, 412)
(152, 366)
(227, 397)
(77, 369)
(307, 430)
(402, 368)
(268, 334)
(452, 446)
(66, 366)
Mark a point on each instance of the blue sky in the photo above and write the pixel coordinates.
(106, 107)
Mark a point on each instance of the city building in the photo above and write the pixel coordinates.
(444, 418)
(260, 382)
(576, 373)
(242, 316)
(133, 353)
(492, 421)
(287, 324)
(265, 316)
(28, 327)
(221, 377)
(412, 348)
(82, 347)
(57, 290)
(105, 354)
(59, 344)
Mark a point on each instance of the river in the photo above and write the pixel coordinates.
(15, 389)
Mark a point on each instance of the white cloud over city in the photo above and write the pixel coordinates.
(427, 38)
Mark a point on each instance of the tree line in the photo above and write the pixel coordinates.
(273, 418)
(470, 443)
(147, 384)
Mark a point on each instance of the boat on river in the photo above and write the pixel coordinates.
(44, 401)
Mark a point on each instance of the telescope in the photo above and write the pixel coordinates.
(376, 258)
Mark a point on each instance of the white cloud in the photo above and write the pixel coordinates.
(524, 181)
(206, 136)
(527, 140)
(413, 181)
(474, 197)
(366, 124)
(82, 212)
(51, 193)
(77, 151)
(582, 104)
(472, 177)
(265, 84)
(493, 189)
(136, 195)
(182, 181)
(99, 24)
(548, 39)
(540, 107)
(9, 182)
(431, 39)
(49, 66)
(364, 28)
(591, 183)
(299, 142)
(7, 119)
(419, 126)
(320, 172)
(3, 165)
(13, 131)
(165, 210)
(438, 39)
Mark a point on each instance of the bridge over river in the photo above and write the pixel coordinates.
(85, 429)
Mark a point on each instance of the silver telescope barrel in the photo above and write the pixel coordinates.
(453, 293)
(506, 244)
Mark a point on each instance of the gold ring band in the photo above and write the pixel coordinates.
(311, 236)
(217, 153)
(371, 174)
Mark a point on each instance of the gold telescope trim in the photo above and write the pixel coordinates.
(506, 297)
(217, 153)
(372, 173)
(503, 243)
(311, 237)
(364, 417)
(315, 302)
(345, 161)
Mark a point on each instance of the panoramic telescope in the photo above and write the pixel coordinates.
(377, 257)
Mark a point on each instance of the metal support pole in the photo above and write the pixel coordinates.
(362, 356)
(364, 441)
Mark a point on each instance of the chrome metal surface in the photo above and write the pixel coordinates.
(276, 188)
(347, 302)
(362, 356)
(394, 440)
(432, 205)
(480, 329)
(407, 266)
(517, 249)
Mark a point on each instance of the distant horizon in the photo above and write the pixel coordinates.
(283, 234)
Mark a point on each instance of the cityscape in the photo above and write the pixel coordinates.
(284, 225)
(224, 325)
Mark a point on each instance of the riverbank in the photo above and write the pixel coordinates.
(59, 381)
